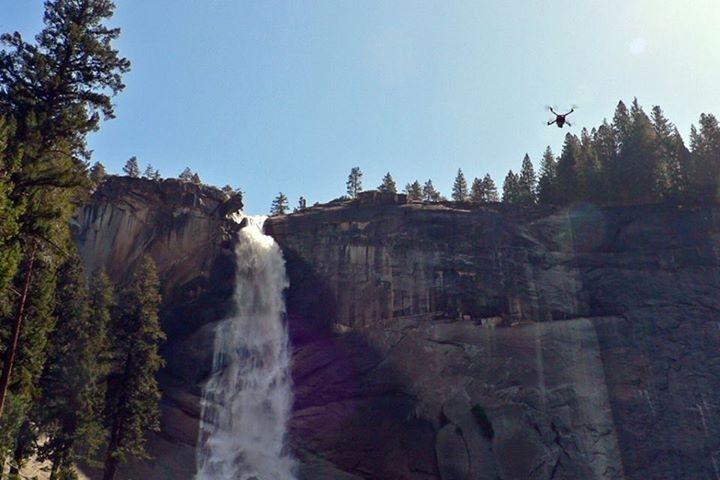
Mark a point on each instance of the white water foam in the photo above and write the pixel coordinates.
(247, 401)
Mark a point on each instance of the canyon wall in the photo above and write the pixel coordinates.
(490, 341)
(448, 341)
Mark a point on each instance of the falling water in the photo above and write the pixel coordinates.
(247, 400)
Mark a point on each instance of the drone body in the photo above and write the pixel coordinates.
(560, 120)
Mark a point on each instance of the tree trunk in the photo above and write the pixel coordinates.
(11, 351)
(111, 461)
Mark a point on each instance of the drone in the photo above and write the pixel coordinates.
(560, 118)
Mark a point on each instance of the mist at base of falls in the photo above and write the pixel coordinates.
(247, 401)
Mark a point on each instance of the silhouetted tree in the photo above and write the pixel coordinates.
(279, 205)
(477, 191)
(527, 182)
(186, 175)
(388, 184)
(489, 189)
(132, 168)
(460, 190)
(354, 182)
(511, 190)
(413, 190)
(429, 193)
(547, 184)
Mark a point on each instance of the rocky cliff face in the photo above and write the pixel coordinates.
(185, 229)
(450, 341)
(484, 342)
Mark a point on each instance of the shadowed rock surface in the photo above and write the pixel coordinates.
(449, 341)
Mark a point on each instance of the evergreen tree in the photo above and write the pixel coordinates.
(705, 154)
(354, 182)
(73, 391)
(132, 167)
(279, 205)
(97, 173)
(673, 170)
(302, 204)
(460, 190)
(414, 191)
(567, 180)
(547, 184)
(429, 193)
(53, 92)
(477, 191)
(388, 184)
(156, 175)
(132, 392)
(511, 188)
(186, 175)
(491, 192)
(606, 150)
(149, 172)
(527, 182)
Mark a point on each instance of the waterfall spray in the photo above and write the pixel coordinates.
(247, 401)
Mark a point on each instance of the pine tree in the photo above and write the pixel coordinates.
(186, 175)
(388, 184)
(491, 192)
(72, 382)
(133, 394)
(477, 191)
(527, 182)
(149, 172)
(705, 155)
(511, 190)
(429, 193)
(606, 149)
(672, 171)
(460, 191)
(547, 184)
(567, 180)
(279, 205)
(354, 182)
(414, 191)
(55, 91)
(132, 168)
(155, 175)
(97, 173)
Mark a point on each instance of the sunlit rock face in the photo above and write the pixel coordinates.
(457, 341)
(186, 230)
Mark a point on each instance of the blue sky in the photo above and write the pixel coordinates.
(287, 96)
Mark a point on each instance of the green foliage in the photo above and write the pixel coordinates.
(133, 393)
(97, 173)
(460, 190)
(73, 380)
(413, 190)
(511, 188)
(354, 182)
(279, 205)
(547, 183)
(429, 194)
(388, 184)
(527, 182)
(489, 189)
(132, 167)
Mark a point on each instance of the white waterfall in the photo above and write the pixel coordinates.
(247, 401)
